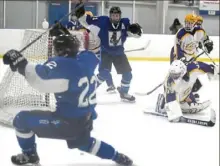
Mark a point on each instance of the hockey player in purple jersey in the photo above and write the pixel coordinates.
(113, 32)
(70, 76)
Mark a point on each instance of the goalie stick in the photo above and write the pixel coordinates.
(151, 91)
(140, 49)
(183, 119)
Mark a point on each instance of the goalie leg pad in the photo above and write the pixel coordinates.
(192, 108)
(174, 111)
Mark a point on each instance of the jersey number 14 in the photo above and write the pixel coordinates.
(84, 99)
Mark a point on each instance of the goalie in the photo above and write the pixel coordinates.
(188, 41)
(177, 98)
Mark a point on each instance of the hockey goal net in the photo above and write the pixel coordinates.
(15, 93)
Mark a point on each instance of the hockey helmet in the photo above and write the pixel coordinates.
(66, 45)
(190, 22)
(177, 69)
(199, 20)
(115, 14)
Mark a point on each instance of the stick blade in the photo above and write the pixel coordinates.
(213, 118)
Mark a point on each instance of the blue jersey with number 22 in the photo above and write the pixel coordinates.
(72, 80)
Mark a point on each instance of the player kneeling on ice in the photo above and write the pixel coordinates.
(178, 97)
(70, 76)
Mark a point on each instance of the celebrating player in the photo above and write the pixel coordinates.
(113, 31)
(178, 98)
(70, 76)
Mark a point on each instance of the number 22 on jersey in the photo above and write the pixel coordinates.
(86, 99)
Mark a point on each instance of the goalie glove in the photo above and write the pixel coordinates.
(208, 44)
(16, 61)
(135, 30)
(192, 108)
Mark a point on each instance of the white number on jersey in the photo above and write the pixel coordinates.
(51, 64)
(114, 38)
(83, 100)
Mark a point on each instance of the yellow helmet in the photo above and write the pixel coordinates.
(192, 18)
(190, 21)
(199, 20)
(89, 13)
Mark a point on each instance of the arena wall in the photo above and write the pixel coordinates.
(158, 46)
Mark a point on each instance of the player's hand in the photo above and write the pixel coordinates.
(208, 44)
(135, 29)
(15, 59)
(79, 12)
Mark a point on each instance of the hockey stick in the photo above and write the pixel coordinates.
(183, 119)
(149, 92)
(209, 57)
(58, 22)
(140, 49)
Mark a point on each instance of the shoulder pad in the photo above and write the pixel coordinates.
(181, 33)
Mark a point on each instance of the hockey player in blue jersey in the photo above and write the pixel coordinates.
(70, 76)
(113, 32)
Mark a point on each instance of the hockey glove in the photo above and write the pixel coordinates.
(59, 29)
(80, 11)
(208, 44)
(16, 61)
(135, 29)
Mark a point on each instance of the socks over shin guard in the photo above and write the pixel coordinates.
(26, 142)
(100, 149)
(104, 75)
(125, 82)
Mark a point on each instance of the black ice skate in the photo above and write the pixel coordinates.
(24, 159)
(125, 96)
(111, 89)
(123, 160)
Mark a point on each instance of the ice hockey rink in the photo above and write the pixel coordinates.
(148, 140)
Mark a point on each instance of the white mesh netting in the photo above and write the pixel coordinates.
(15, 93)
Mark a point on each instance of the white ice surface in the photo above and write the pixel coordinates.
(148, 140)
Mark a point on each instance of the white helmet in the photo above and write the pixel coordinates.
(177, 69)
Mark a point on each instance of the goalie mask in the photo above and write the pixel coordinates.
(177, 69)
(66, 45)
(115, 15)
